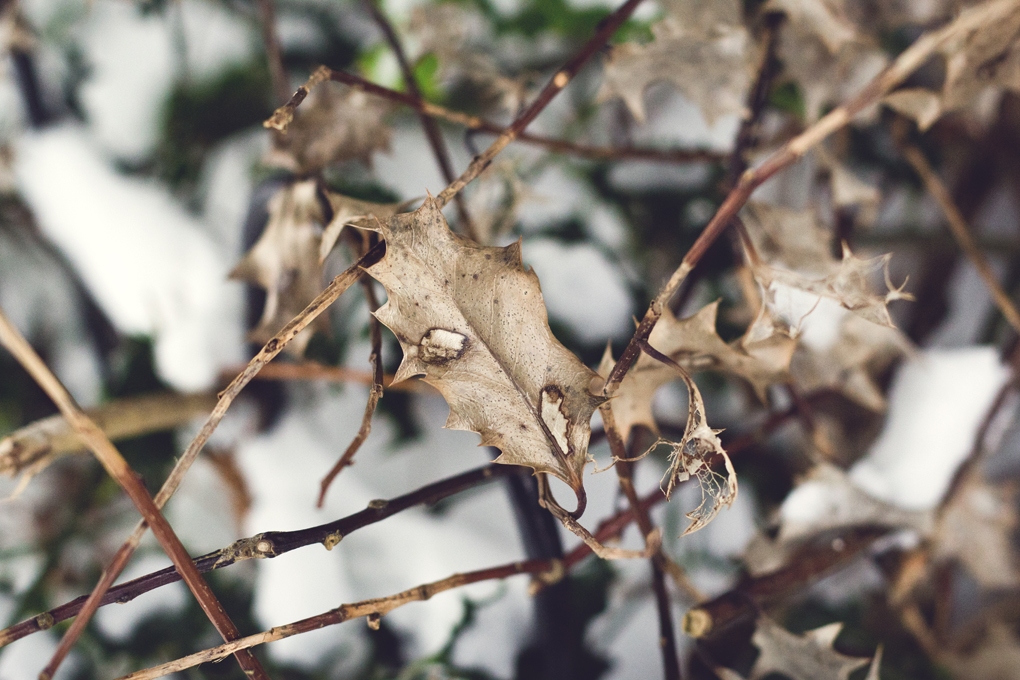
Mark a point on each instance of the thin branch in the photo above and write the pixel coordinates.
(961, 232)
(313, 370)
(282, 117)
(908, 61)
(128, 480)
(432, 131)
(277, 74)
(275, 345)
(372, 609)
(272, 544)
(374, 394)
(44, 440)
(560, 80)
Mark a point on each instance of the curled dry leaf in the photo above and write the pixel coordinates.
(694, 344)
(702, 48)
(985, 59)
(789, 248)
(285, 261)
(336, 124)
(801, 657)
(693, 457)
(471, 319)
(349, 211)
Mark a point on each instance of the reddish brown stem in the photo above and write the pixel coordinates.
(432, 131)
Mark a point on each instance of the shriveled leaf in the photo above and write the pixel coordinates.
(695, 345)
(977, 528)
(790, 249)
(801, 657)
(471, 319)
(825, 54)
(693, 457)
(336, 124)
(852, 364)
(349, 211)
(285, 261)
(984, 59)
(825, 19)
(701, 48)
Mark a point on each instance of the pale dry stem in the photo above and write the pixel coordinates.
(371, 609)
(961, 232)
(117, 467)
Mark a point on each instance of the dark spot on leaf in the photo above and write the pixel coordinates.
(475, 277)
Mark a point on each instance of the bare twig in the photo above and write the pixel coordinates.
(277, 74)
(273, 544)
(313, 370)
(118, 468)
(432, 131)
(282, 116)
(275, 345)
(373, 609)
(908, 61)
(961, 232)
(559, 81)
(373, 396)
(51, 437)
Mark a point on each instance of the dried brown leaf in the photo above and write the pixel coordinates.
(701, 48)
(801, 657)
(285, 261)
(693, 457)
(353, 212)
(471, 319)
(791, 249)
(695, 345)
(984, 59)
(336, 124)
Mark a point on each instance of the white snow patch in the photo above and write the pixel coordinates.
(213, 37)
(26, 657)
(582, 288)
(118, 621)
(148, 262)
(936, 405)
(413, 547)
(131, 56)
(818, 318)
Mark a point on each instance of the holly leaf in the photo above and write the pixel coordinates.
(472, 320)
(701, 48)
(788, 248)
(985, 58)
(694, 344)
(353, 212)
(801, 657)
(285, 262)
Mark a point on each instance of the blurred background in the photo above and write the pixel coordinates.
(135, 173)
